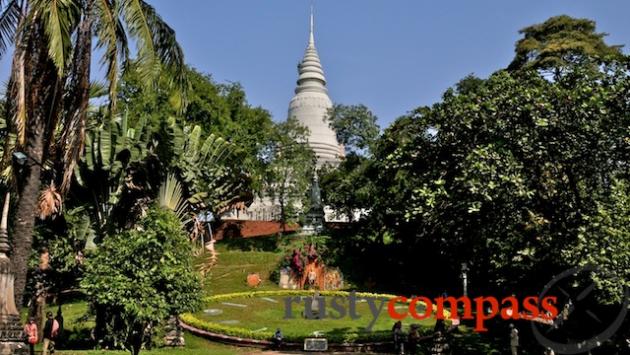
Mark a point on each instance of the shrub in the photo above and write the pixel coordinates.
(139, 277)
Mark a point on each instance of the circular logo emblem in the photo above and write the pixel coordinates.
(574, 306)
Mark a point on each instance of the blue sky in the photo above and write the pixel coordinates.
(389, 55)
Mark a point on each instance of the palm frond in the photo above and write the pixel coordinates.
(9, 19)
(168, 51)
(111, 36)
(19, 116)
(73, 136)
(177, 138)
(6, 165)
(136, 20)
(59, 18)
(49, 202)
(97, 89)
(171, 196)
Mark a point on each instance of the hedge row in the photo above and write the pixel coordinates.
(250, 294)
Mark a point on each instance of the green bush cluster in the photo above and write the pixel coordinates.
(141, 277)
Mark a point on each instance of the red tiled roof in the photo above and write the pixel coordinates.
(247, 229)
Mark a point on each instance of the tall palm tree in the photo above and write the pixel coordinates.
(48, 91)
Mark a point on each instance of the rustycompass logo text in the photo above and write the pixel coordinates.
(479, 309)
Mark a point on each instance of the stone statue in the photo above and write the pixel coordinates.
(313, 312)
(315, 215)
(316, 194)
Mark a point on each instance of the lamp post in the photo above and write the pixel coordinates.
(11, 333)
(465, 278)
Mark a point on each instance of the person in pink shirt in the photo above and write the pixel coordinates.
(30, 330)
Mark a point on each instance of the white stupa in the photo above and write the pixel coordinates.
(310, 107)
(311, 103)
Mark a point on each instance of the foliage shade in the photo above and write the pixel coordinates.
(221, 110)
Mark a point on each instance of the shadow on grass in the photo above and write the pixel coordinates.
(78, 338)
(253, 244)
(273, 243)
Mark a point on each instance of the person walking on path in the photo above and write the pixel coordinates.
(513, 339)
(413, 339)
(51, 329)
(30, 331)
(277, 339)
(398, 337)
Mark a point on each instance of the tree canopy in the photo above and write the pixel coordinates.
(289, 168)
(355, 126)
(218, 109)
(559, 42)
(140, 277)
(518, 169)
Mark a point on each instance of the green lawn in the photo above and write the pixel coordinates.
(194, 346)
(233, 266)
(78, 327)
(262, 314)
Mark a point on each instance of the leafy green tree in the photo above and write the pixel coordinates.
(604, 240)
(66, 239)
(516, 169)
(113, 170)
(48, 90)
(468, 84)
(140, 277)
(124, 163)
(219, 109)
(347, 187)
(290, 165)
(560, 42)
(355, 126)
(210, 169)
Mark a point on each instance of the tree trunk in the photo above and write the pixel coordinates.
(42, 102)
(136, 337)
(24, 218)
(100, 327)
(38, 303)
(283, 216)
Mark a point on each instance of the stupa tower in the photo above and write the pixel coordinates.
(310, 105)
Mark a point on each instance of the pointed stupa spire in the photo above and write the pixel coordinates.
(310, 68)
(311, 103)
(311, 38)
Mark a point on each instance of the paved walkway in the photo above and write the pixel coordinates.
(269, 352)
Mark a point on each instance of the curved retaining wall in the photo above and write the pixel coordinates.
(265, 344)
